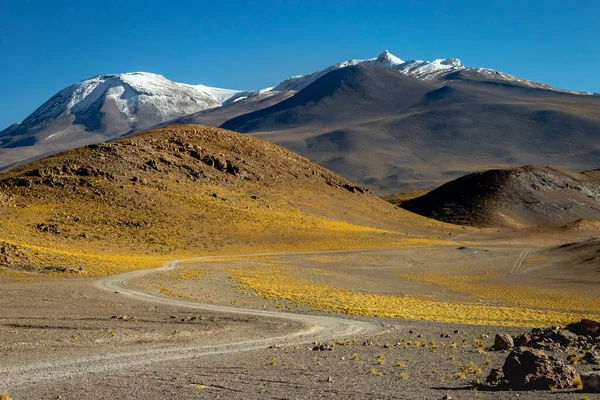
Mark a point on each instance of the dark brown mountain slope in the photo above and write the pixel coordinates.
(519, 197)
(391, 132)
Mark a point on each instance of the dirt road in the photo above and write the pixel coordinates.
(316, 328)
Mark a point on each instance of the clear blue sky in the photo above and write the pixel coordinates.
(48, 45)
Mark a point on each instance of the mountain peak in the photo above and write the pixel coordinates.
(452, 62)
(388, 58)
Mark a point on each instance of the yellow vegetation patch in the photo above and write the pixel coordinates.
(325, 259)
(478, 288)
(276, 283)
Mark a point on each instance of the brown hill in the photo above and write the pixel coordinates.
(184, 190)
(392, 132)
(518, 197)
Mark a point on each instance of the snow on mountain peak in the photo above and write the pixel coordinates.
(419, 69)
(132, 93)
(388, 59)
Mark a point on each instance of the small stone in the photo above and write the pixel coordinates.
(330, 379)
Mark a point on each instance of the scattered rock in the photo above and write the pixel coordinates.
(323, 347)
(585, 327)
(591, 358)
(530, 369)
(355, 189)
(591, 382)
(51, 228)
(558, 339)
(522, 340)
(503, 341)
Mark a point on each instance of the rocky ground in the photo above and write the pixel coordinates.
(383, 366)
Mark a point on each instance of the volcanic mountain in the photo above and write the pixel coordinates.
(110, 106)
(518, 197)
(185, 190)
(104, 107)
(393, 132)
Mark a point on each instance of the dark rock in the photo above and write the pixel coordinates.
(591, 358)
(495, 378)
(323, 347)
(355, 189)
(530, 369)
(152, 164)
(503, 341)
(51, 228)
(591, 382)
(522, 340)
(585, 327)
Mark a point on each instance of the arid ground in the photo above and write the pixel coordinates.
(412, 322)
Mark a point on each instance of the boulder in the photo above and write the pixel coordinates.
(522, 340)
(495, 378)
(503, 341)
(530, 369)
(585, 327)
(591, 382)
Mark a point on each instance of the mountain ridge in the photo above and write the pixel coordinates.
(108, 106)
(391, 132)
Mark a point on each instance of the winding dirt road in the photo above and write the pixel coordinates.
(317, 328)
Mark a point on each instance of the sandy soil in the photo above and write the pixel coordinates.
(119, 337)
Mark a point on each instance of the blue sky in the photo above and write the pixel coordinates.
(48, 45)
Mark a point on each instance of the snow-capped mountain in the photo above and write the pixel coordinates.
(132, 95)
(108, 106)
(105, 107)
(440, 69)
(425, 70)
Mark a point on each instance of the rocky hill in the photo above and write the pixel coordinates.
(518, 197)
(184, 190)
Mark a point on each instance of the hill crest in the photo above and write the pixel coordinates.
(518, 197)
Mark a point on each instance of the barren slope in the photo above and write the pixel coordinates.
(183, 190)
(526, 196)
(392, 132)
